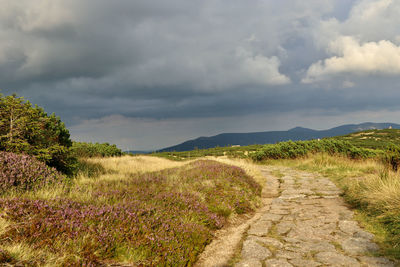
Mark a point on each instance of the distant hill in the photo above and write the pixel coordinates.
(374, 139)
(298, 133)
(134, 152)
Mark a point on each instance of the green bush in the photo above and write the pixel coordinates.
(89, 169)
(392, 157)
(90, 150)
(291, 150)
(28, 129)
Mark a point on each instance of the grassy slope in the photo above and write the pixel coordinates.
(370, 187)
(236, 152)
(107, 188)
(371, 139)
(374, 139)
(140, 210)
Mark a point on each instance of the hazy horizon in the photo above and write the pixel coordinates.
(150, 74)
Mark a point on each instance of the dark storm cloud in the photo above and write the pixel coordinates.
(200, 60)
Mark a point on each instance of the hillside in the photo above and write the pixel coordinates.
(374, 139)
(271, 137)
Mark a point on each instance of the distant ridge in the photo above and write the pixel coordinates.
(297, 133)
(134, 152)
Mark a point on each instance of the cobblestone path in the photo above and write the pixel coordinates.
(307, 224)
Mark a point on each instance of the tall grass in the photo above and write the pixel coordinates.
(136, 164)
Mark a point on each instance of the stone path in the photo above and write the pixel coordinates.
(307, 224)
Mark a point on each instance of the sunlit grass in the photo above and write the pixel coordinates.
(135, 164)
(247, 165)
(131, 210)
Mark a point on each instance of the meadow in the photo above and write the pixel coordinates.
(364, 164)
(124, 210)
(373, 139)
(165, 208)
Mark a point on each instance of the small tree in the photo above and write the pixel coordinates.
(27, 129)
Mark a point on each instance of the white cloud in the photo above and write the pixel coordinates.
(261, 69)
(366, 43)
(381, 57)
(29, 16)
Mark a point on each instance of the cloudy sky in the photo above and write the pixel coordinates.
(147, 74)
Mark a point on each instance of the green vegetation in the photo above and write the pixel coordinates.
(365, 165)
(111, 210)
(132, 210)
(282, 150)
(392, 157)
(234, 152)
(373, 139)
(27, 129)
(162, 218)
(292, 150)
(90, 150)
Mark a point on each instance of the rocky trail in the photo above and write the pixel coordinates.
(304, 222)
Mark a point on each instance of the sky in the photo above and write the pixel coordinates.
(148, 74)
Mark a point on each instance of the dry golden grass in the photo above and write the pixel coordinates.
(333, 166)
(136, 164)
(247, 165)
(124, 167)
(381, 191)
(119, 168)
(3, 225)
(23, 253)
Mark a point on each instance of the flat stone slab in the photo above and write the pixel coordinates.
(364, 234)
(312, 247)
(292, 196)
(349, 227)
(253, 250)
(336, 259)
(284, 227)
(303, 262)
(271, 217)
(359, 246)
(288, 254)
(260, 228)
(376, 262)
(267, 241)
(279, 211)
(277, 263)
(249, 263)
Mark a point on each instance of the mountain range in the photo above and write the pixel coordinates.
(271, 137)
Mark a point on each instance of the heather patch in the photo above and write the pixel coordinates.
(158, 218)
(23, 172)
